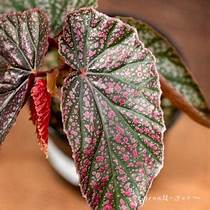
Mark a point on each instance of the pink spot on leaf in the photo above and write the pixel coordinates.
(111, 115)
(122, 101)
(117, 88)
(120, 130)
(127, 193)
(125, 157)
(135, 121)
(135, 153)
(100, 158)
(108, 207)
(92, 53)
(118, 138)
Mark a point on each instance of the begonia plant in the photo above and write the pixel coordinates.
(109, 74)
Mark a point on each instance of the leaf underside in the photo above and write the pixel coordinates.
(176, 82)
(111, 110)
(40, 112)
(56, 9)
(23, 43)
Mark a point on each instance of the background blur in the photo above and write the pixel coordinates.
(27, 182)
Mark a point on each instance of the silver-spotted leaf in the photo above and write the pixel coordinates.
(23, 43)
(56, 9)
(111, 110)
(176, 82)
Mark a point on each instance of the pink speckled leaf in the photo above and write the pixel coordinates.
(23, 43)
(111, 110)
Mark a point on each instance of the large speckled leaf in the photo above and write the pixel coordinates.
(111, 110)
(56, 9)
(176, 82)
(23, 43)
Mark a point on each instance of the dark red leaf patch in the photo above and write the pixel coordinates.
(40, 112)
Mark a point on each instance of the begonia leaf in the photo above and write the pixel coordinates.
(23, 43)
(111, 110)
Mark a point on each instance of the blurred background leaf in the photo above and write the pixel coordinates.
(176, 82)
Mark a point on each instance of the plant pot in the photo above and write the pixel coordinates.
(59, 156)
